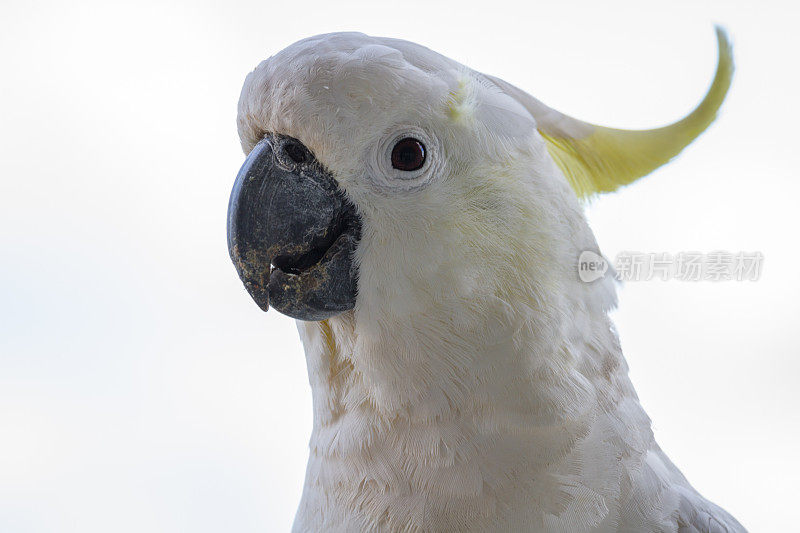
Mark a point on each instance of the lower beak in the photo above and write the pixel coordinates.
(292, 232)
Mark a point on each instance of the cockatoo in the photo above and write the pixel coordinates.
(423, 222)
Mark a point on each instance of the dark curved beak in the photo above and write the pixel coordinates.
(292, 232)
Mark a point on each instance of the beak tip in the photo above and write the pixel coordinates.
(259, 295)
(263, 305)
(254, 277)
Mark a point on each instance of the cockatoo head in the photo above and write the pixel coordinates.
(386, 178)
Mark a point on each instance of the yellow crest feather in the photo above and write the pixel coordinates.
(596, 159)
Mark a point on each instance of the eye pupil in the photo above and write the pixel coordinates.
(408, 154)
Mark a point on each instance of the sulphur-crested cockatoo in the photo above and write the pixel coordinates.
(423, 223)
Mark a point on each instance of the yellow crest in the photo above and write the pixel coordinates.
(596, 159)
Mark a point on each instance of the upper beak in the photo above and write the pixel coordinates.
(292, 232)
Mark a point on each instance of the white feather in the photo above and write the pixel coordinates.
(478, 385)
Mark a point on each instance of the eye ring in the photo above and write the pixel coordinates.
(421, 165)
(408, 154)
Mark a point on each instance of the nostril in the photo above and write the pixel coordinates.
(296, 152)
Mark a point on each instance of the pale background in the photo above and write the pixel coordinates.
(142, 390)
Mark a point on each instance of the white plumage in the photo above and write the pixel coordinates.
(478, 385)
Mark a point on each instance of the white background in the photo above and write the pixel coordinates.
(142, 390)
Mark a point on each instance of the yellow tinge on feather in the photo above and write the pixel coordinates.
(597, 159)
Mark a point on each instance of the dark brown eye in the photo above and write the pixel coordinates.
(408, 154)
